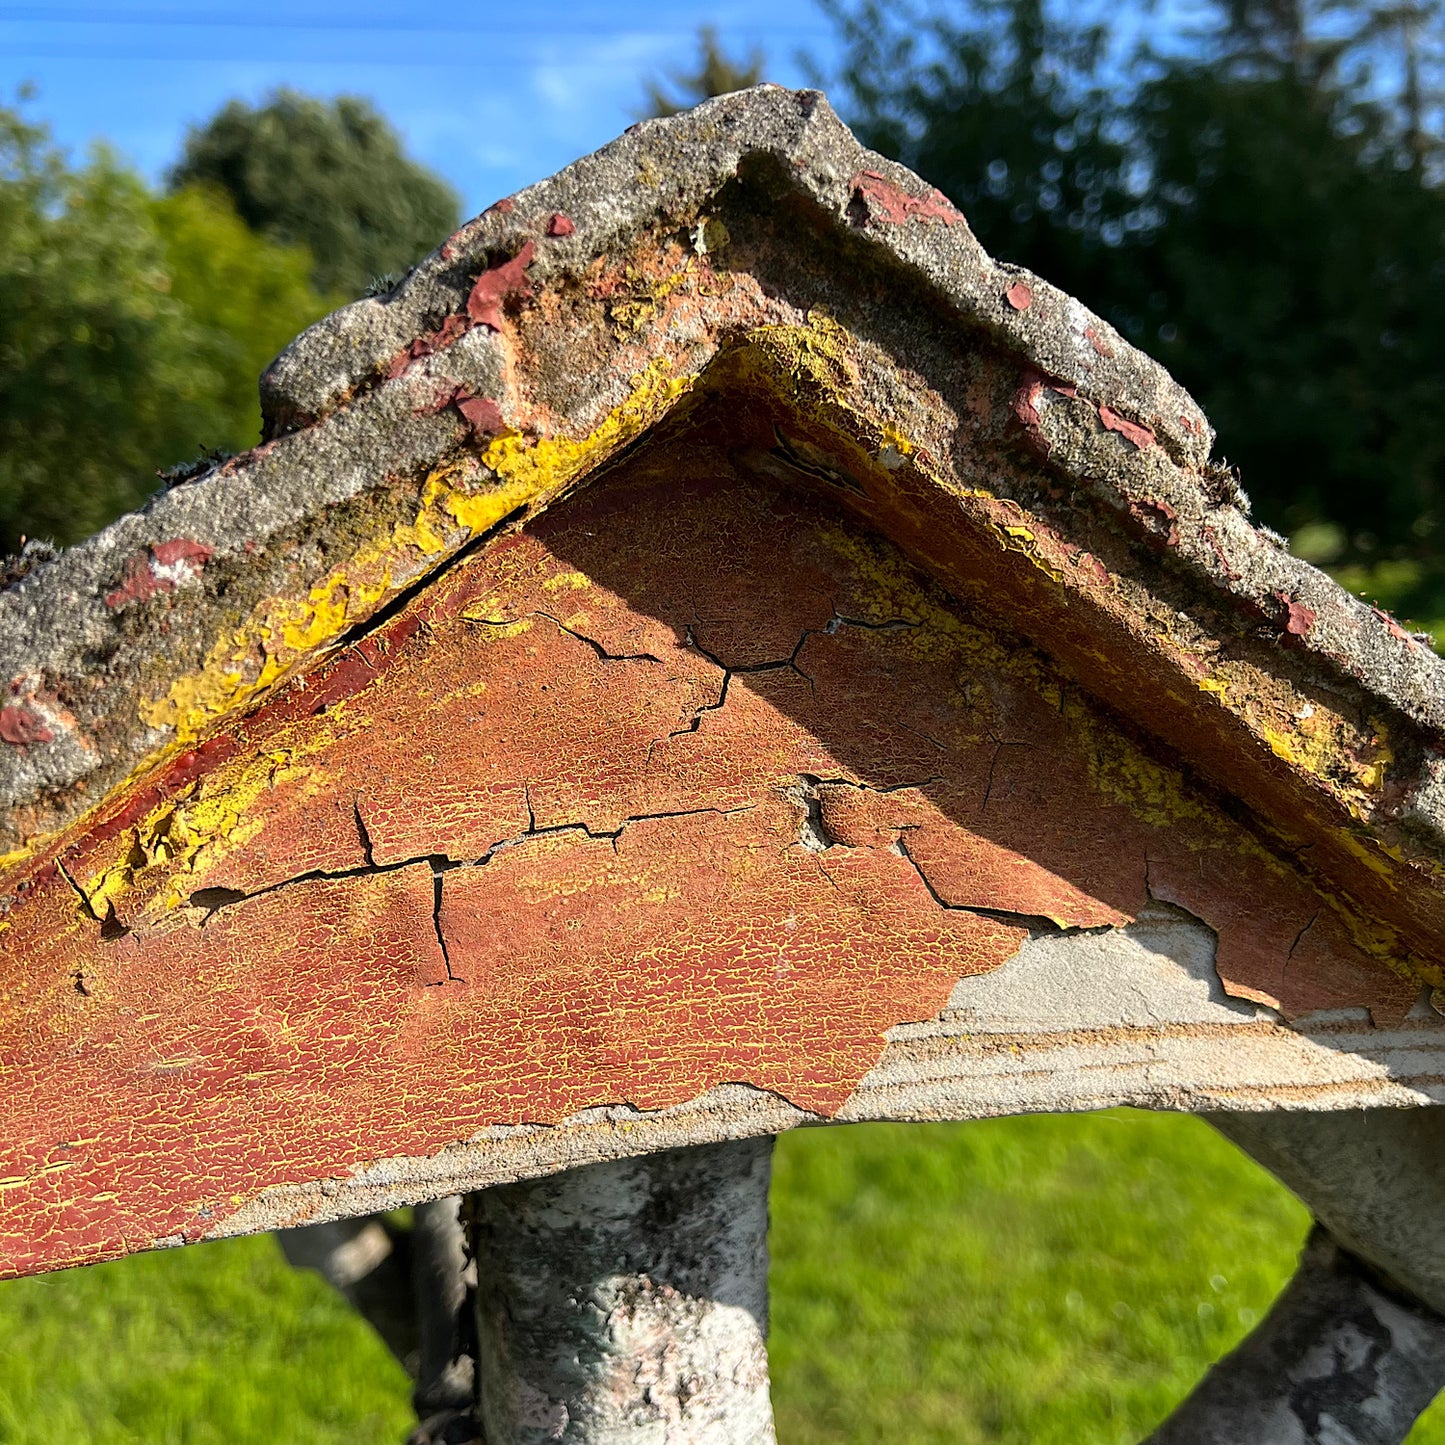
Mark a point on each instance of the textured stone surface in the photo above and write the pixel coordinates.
(657, 654)
(627, 1303)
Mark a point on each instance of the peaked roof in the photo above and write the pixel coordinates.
(379, 827)
(557, 327)
(751, 238)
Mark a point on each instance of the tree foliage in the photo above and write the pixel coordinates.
(329, 175)
(132, 330)
(1261, 206)
(717, 73)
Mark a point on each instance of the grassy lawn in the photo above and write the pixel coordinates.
(1039, 1279)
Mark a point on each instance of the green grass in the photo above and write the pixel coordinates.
(1038, 1279)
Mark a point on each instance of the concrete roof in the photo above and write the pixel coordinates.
(748, 273)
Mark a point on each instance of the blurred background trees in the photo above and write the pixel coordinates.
(132, 330)
(1258, 203)
(133, 326)
(327, 175)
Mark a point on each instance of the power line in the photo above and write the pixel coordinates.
(41, 51)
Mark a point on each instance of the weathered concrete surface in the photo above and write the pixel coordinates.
(376, 798)
(1339, 1360)
(627, 1303)
(1375, 1180)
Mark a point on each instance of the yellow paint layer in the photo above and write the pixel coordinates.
(284, 631)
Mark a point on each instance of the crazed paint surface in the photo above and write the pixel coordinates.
(694, 780)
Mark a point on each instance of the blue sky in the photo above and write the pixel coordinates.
(493, 96)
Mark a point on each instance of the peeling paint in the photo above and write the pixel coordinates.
(552, 819)
(895, 206)
(20, 726)
(1136, 432)
(499, 284)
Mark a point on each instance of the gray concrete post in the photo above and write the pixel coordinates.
(626, 1303)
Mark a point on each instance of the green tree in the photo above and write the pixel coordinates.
(132, 330)
(1005, 107)
(247, 296)
(1293, 280)
(329, 175)
(717, 73)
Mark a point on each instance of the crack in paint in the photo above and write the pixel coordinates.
(599, 651)
(216, 900)
(111, 927)
(781, 664)
(999, 746)
(785, 664)
(813, 834)
(1299, 937)
(363, 834)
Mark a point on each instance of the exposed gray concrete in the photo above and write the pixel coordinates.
(1374, 1177)
(627, 1303)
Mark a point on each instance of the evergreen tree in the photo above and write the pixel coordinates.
(329, 175)
(1261, 208)
(716, 74)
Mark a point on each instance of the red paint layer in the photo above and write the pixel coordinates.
(716, 781)
(887, 201)
(498, 285)
(159, 568)
(20, 726)
(1133, 431)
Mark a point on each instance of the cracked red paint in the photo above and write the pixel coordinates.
(1031, 388)
(162, 567)
(1020, 296)
(717, 788)
(498, 285)
(896, 206)
(1136, 432)
(21, 725)
(481, 413)
(560, 225)
(1101, 346)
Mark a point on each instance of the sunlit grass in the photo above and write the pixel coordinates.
(1045, 1279)
(1048, 1279)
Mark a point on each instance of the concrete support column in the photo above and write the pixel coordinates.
(1354, 1348)
(627, 1302)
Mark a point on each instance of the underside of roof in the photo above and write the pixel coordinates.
(739, 400)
